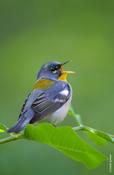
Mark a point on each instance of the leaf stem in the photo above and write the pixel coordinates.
(99, 133)
(80, 126)
(12, 137)
(76, 116)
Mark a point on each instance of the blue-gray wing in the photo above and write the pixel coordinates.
(45, 102)
(50, 100)
(41, 103)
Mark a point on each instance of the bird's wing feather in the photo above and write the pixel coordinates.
(50, 101)
(45, 102)
(39, 85)
(41, 103)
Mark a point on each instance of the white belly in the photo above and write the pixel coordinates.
(59, 115)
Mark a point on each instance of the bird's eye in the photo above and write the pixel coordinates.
(53, 70)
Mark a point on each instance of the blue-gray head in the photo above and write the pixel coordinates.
(52, 70)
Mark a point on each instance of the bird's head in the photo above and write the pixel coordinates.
(53, 70)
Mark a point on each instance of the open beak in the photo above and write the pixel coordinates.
(68, 72)
(64, 74)
(65, 62)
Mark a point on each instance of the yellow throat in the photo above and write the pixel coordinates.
(64, 75)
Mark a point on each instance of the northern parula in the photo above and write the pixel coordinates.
(50, 98)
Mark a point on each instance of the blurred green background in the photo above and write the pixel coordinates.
(34, 32)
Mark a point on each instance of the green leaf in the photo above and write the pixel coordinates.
(65, 140)
(3, 128)
(96, 139)
(103, 135)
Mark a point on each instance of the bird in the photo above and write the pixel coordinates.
(50, 98)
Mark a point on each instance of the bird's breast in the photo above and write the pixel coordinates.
(59, 115)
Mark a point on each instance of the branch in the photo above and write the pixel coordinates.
(12, 137)
(77, 117)
(101, 134)
(79, 127)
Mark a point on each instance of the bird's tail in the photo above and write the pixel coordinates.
(22, 122)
